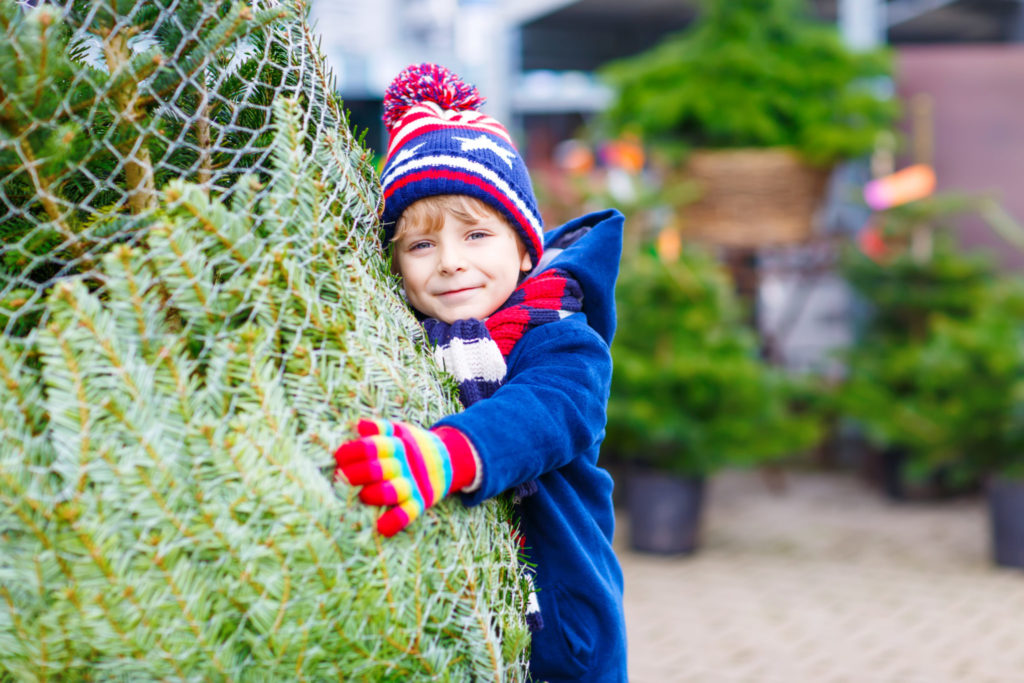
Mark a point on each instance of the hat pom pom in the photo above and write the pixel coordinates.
(427, 83)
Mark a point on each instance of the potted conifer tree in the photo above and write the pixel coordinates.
(766, 100)
(937, 375)
(689, 393)
(922, 290)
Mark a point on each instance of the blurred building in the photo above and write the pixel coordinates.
(369, 43)
(534, 60)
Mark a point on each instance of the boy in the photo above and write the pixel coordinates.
(525, 328)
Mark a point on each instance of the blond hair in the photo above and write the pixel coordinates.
(428, 214)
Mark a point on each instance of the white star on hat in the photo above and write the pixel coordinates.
(406, 153)
(484, 142)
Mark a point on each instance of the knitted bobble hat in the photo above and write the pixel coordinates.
(440, 144)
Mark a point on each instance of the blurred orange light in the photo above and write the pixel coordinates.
(575, 157)
(669, 245)
(625, 154)
(907, 185)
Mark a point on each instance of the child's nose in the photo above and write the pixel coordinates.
(449, 259)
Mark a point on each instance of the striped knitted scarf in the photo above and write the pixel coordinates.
(475, 351)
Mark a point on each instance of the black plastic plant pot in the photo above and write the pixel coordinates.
(899, 486)
(893, 479)
(1006, 510)
(665, 511)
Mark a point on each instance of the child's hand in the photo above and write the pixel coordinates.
(405, 468)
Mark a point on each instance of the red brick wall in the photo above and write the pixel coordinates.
(978, 106)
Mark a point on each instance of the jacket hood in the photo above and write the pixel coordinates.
(590, 247)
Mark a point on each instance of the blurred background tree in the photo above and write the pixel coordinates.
(690, 394)
(936, 375)
(754, 73)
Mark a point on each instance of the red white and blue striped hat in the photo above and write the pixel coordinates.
(441, 144)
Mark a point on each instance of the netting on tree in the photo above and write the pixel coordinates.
(194, 307)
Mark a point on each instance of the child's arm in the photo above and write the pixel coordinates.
(551, 408)
(405, 468)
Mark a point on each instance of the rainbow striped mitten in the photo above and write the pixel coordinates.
(405, 468)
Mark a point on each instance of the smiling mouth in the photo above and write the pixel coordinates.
(452, 292)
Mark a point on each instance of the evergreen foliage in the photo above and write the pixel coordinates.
(689, 393)
(754, 73)
(938, 371)
(195, 307)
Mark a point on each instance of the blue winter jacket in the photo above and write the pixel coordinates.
(546, 423)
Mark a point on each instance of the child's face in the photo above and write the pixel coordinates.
(467, 269)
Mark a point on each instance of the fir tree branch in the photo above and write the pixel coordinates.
(44, 192)
(82, 308)
(471, 593)
(19, 626)
(333, 147)
(45, 21)
(205, 172)
(186, 611)
(120, 265)
(201, 214)
(138, 167)
(239, 23)
(69, 513)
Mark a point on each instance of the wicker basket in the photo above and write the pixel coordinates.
(752, 197)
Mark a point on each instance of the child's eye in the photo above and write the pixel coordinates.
(476, 234)
(417, 246)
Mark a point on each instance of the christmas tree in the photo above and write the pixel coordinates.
(195, 306)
